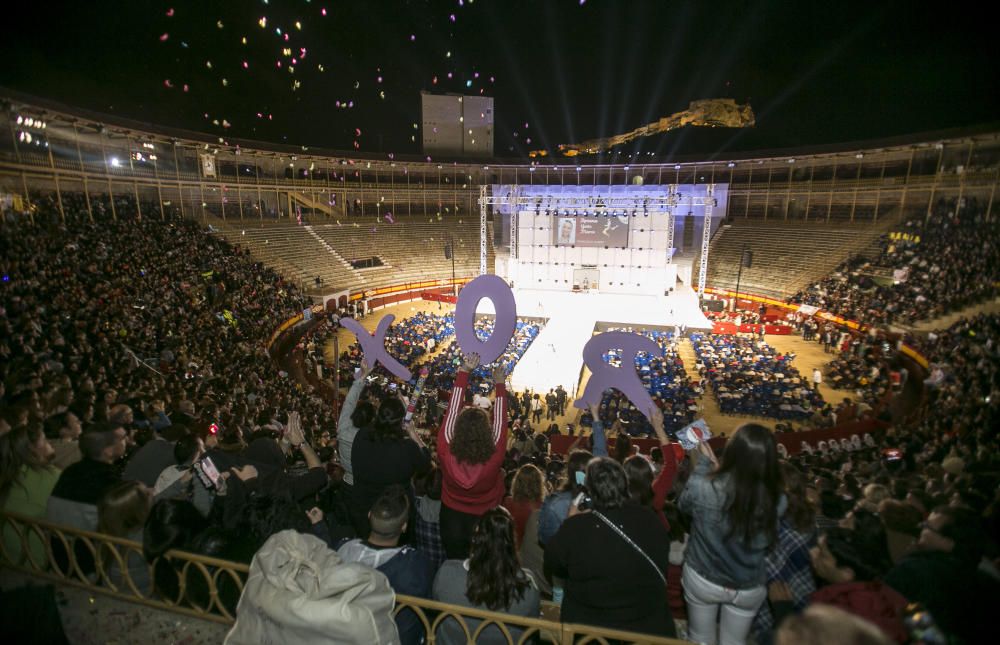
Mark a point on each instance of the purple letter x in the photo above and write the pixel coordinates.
(373, 345)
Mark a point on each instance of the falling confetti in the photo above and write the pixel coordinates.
(219, 24)
(170, 13)
(413, 37)
(168, 84)
(262, 22)
(451, 17)
(164, 37)
(322, 12)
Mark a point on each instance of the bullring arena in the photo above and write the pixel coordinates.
(846, 298)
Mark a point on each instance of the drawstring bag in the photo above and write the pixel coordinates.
(300, 591)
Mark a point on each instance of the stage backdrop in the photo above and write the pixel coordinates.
(561, 229)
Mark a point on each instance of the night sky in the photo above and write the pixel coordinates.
(561, 71)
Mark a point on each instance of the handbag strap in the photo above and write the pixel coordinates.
(635, 546)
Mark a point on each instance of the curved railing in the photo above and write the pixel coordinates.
(208, 588)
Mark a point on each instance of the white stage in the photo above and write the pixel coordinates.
(556, 355)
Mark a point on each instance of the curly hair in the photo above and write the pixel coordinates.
(473, 441)
(496, 579)
(528, 484)
(607, 483)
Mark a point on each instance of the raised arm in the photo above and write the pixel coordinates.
(457, 399)
(665, 480)
(499, 405)
(351, 400)
(598, 438)
(298, 440)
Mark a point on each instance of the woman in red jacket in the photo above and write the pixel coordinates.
(471, 448)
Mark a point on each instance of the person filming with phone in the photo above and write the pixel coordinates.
(735, 508)
(613, 556)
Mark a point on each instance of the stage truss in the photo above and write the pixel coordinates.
(664, 204)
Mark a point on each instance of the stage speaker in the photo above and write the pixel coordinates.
(747, 259)
(713, 305)
(447, 251)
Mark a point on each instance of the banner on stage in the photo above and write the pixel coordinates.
(588, 230)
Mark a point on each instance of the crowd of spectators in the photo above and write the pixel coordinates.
(133, 349)
(750, 377)
(924, 269)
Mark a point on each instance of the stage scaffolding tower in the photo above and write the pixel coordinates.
(706, 236)
(483, 232)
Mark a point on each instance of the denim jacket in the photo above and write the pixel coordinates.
(723, 560)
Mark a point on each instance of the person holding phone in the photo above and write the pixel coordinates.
(613, 557)
(735, 507)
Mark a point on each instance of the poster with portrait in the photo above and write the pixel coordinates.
(590, 230)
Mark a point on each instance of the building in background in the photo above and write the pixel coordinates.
(456, 125)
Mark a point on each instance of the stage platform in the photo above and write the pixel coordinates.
(556, 356)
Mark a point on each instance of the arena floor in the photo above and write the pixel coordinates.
(808, 356)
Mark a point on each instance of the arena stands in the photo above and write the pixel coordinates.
(132, 346)
(922, 269)
(786, 255)
(408, 250)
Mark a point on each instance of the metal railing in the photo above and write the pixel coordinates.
(208, 588)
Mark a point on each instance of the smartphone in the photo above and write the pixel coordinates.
(582, 501)
(207, 472)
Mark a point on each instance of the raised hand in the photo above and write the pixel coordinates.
(295, 435)
(499, 373)
(470, 362)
